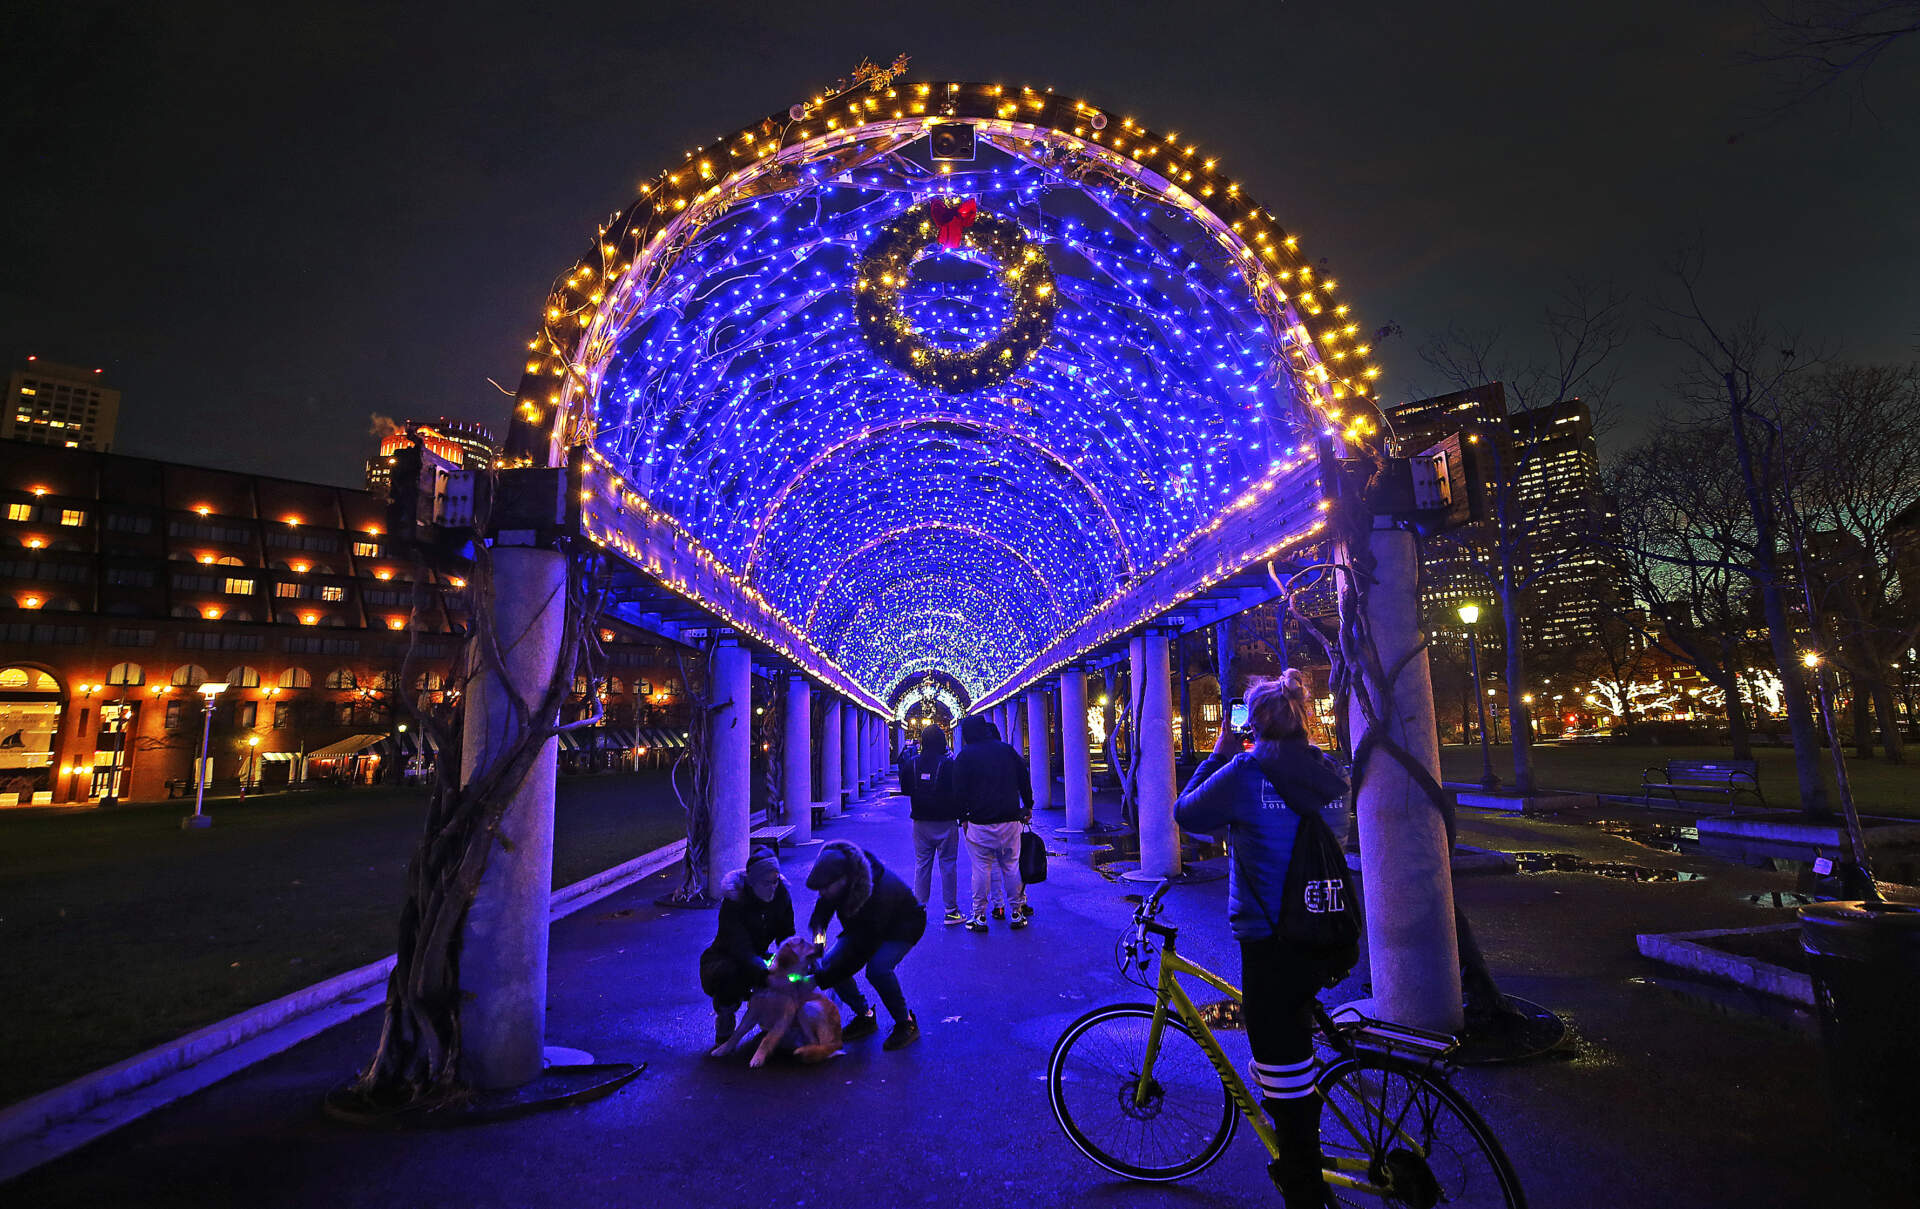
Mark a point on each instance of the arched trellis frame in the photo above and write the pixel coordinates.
(1286, 332)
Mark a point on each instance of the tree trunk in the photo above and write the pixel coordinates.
(1862, 712)
(1737, 729)
(1519, 725)
(1890, 736)
(1806, 742)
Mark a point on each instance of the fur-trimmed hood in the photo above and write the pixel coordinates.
(861, 869)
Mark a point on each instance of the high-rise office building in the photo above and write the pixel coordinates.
(1539, 467)
(465, 444)
(60, 405)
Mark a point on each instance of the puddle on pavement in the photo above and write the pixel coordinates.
(1567, 862)
(1770, 899)
(1661, 837)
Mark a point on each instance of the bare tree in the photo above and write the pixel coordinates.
(1825, 44)
(1860, 426)
(1734, 383)
(1584, 329)
(1684, 545)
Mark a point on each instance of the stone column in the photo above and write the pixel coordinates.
(1039, 759)
(1406, 874)
(849, 753)
(1075, 759)
(503, 967)
(1147, 653)
(796, 769)
(730, 760)
(831, 791)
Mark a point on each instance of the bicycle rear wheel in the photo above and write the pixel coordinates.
(1186, 1120)
(1424, 1145)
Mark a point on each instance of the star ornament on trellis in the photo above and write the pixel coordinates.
(1019, 265)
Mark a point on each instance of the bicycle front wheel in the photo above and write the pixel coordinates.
(1419, 1144)
(1183, 1122)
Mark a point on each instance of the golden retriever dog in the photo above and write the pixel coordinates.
(788, 1009)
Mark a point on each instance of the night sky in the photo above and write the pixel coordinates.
(268, 225)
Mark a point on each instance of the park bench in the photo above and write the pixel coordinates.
(772, 837)
(183, 787)
(1729, 777)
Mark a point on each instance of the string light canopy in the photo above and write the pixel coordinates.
(1172, 361)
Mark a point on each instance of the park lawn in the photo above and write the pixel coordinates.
(1878, 787)
(120, 931)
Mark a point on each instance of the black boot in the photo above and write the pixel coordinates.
(1297, 1172)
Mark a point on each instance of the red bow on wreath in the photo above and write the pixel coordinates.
(953, 220)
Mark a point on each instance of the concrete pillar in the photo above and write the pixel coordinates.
(796, 769)
(1075, 758)
(1406, 874)
(1015, 730)
(831, 794)
(1186, 697)
(730, 760)
(1147, 653)
(850, 786)
(503, 964)
(1039, 759)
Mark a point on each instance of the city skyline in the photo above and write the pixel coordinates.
(431, 199)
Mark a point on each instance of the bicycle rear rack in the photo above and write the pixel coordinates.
(1385, 1034)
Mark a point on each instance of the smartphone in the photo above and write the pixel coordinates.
(1237, 715)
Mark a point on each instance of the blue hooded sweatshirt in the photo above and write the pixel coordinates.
(1249, 795)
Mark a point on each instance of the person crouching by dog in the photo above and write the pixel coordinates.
(756, 913)
(880, 922)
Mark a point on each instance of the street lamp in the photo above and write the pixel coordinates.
(1469, 614)
(198, 821)
(253, 747)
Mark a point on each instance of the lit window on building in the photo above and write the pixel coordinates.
(333, 592)
(72, 518)
(20, 512)
(239, 587)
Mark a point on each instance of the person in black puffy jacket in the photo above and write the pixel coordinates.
(995, 798)
(880, 922)
(927, 780)
(756, 913)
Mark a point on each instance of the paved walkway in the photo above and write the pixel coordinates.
(1666, 1100)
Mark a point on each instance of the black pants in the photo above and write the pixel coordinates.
(1278, 982)
(729, 982)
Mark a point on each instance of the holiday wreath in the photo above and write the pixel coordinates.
(886, 269)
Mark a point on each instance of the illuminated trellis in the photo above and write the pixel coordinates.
(710, 354)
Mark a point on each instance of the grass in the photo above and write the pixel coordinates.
(120, 931)
(1878, 787)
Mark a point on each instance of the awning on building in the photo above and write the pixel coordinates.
(658, 737)
(350, 746)
(279, 757)
(622, 737)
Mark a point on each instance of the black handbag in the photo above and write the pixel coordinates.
(1033, 858)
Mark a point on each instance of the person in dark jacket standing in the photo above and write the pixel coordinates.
(927, 780)
(880, 922)
(756, 913)
(1253, 796)
(996, 799)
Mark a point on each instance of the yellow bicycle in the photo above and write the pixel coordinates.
(1145, 1090)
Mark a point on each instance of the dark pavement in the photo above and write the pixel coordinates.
(1665, 1098)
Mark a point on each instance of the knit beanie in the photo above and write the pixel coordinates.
(763, 867)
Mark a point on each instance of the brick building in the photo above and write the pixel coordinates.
(127, 583)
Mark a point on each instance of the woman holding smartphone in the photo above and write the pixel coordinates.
(1254, 795)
